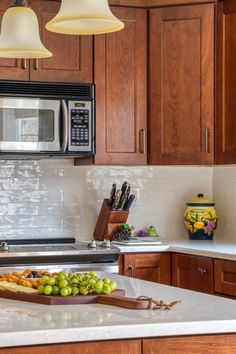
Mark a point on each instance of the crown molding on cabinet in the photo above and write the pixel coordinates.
(157, 3)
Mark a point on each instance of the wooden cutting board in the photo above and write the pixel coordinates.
(54, 300)
(116, 299)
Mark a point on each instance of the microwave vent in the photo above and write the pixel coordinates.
(47, 89)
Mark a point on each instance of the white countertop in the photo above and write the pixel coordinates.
(24, 323)
(216, 249)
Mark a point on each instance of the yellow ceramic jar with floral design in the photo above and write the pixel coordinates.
(200, 218)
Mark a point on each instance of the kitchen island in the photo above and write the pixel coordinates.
(27, 324)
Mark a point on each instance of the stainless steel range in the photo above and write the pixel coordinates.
(80, 256)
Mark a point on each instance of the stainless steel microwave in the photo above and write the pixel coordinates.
(47, 118)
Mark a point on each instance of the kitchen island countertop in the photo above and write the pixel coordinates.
(24, 323)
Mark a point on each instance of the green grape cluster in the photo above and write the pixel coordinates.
(75, 284)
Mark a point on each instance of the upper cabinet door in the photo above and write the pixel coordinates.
(72, 55)
(12, 69)
(226, 83)
(182, 85)
(120, 77)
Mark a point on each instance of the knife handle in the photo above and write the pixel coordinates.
(112, 195)
(116, 199)
(129, 202)
(126, 302)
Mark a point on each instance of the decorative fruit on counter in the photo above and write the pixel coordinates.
(124, 233)
(142, 233)
(152, 231)
(75, 284)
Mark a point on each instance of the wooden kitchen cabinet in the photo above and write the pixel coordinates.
(72, 55)
(225, 277)
(210, 344)
(120, 78)
(192, 272)
(72, 59)
(181, 68)
(108, 347)
(153, 267)
(226, 83)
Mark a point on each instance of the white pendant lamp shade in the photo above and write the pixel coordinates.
(20, 34)
(85, 17)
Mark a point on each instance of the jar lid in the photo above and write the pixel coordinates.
(201, 201)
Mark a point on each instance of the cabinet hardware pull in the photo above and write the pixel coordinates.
(132, 269)
(143, 141)
(201, 271)
(207, 132)
(36, 64)
(65, 125)
(24, 64)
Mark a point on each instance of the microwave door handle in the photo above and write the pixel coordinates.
(65, 125)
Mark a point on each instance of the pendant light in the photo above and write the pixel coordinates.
(20, 33)
(84, 17)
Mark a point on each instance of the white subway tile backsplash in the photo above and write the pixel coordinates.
(26, 222)
(22, 209)
(7, 222)
(4, 209)
(6, 196)
(6, 184)
(7, 170)
(54, 198)
(224, 188)
(22, 184)
(33, 196)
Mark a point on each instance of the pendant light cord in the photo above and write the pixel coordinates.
(20, 3)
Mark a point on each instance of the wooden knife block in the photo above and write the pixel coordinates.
(109, 221)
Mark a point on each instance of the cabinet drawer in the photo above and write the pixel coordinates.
(225, 277)
(192, 273)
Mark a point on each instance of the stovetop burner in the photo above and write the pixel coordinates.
(79, 248)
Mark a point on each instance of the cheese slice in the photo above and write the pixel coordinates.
(4, 285)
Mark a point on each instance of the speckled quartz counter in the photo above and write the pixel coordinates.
(215, 248)
(24, 323)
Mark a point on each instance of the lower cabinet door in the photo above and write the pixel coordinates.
(153, 267)
(224, 344)
(192, 273)
(225, 277)
(108, 347)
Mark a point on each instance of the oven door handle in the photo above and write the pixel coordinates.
(65, 126)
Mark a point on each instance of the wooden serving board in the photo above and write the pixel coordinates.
(117, 298)
(55, 300)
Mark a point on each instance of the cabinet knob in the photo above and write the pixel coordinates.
(132, 270)
(201, 271)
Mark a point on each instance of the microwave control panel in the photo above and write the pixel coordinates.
(80, 126)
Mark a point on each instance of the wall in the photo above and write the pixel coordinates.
(53, 198)
(224, 190)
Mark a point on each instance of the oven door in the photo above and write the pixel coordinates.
(29, 125)
(65, 267)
